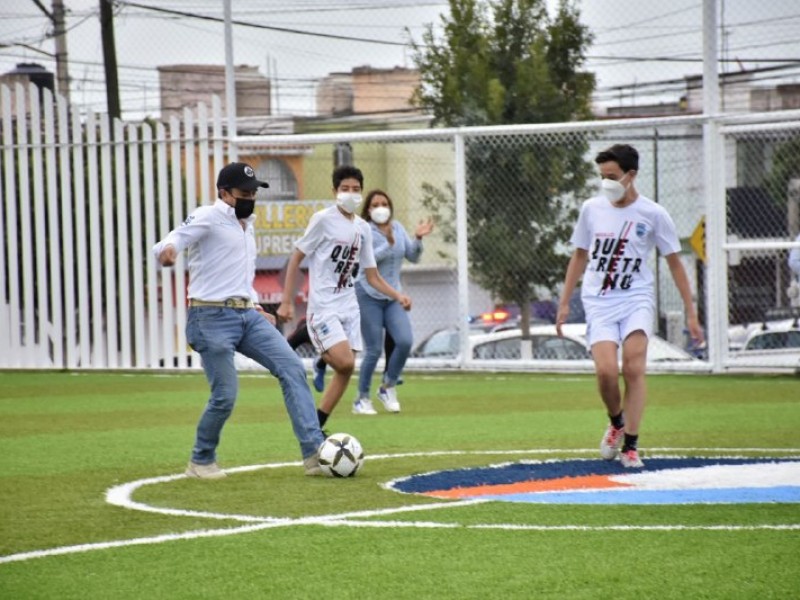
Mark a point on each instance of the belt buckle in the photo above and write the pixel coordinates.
(236, 303)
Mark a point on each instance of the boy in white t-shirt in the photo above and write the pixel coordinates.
(338, 243)
(613, 238)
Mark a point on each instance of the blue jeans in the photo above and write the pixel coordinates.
(216, 333)
(377, 315)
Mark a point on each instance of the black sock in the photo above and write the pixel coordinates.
(618, 422)
(631, 441)
(322, 416)
(321, 364)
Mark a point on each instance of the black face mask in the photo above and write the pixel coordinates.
(244, 207)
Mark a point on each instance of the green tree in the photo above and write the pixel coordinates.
(510, 62)
(785, 167)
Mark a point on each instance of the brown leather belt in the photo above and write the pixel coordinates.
(227, 303)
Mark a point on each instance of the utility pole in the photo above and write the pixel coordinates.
(109, 58)
(230, 81)
(60, 38)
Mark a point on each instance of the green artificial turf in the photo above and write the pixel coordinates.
(66, 438)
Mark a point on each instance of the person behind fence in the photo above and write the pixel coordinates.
(299, 337)
(615, 233)
(391, 244)
(224, 318)
(338, 244)
(794, 286)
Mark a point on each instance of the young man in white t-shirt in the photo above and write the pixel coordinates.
(613, 238)
(338, 243)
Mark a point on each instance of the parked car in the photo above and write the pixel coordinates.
(543, 312)
(774, 344)
(545, 342)
(545, 345)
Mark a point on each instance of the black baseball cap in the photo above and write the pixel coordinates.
(239, 175)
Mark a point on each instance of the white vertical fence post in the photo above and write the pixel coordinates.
(67, 202)
(179, 270)
(716, 274)
(83, 242)
(164, 227)
(95, 257)
(138, 252)
(11, 324)
(39, 352)
(462, 250)
(55, 260)
(120, 205)
(25, 232)
(150, 238)
(108, 266)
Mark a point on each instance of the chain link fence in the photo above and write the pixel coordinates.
(83, 202)
(762, 180)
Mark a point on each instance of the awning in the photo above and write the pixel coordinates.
(269, 287)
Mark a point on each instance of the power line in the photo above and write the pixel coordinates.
(259, 26)
(693, 7)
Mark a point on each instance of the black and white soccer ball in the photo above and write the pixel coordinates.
(341, 455)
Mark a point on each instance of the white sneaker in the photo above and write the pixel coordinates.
(388, 397)
(209, 471)
(363, 406)
(611, 442)
(630, 460)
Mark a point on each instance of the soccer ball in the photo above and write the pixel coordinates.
(341, 455)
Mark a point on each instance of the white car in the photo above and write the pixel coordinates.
(545, 345)
(771, 345)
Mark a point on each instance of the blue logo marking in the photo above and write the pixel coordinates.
(581, 481)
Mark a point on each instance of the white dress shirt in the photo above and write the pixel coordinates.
(221, 254)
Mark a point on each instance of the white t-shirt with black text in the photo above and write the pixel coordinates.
(619, 242)
(337, 248)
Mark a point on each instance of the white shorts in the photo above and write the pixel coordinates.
(618, 325)
(327, 329)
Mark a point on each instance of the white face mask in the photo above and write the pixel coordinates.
(348, 201)
(380, 214)
(612, 190)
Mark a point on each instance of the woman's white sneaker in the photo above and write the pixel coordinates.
(388, 397)
(363, 406)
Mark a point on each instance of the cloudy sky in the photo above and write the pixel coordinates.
(641, 52)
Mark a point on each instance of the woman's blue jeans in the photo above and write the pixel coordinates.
(377, 315)
(216, 333)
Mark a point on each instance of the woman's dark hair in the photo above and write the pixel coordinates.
(368, 201)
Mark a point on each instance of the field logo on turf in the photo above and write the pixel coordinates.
(581, 481)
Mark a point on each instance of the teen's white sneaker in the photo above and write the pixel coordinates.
(630, 460)
(611, 442)
(209, 471)
(388, 397)
(363, 406)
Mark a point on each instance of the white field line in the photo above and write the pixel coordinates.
(121, 495)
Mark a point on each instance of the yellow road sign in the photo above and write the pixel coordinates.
(698, 239)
